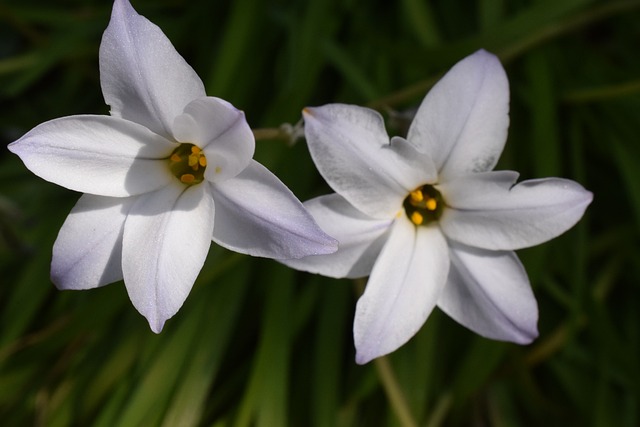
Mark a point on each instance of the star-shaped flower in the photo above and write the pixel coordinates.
(426, 217)
(169, 170)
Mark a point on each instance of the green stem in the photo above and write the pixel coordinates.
(394, 392)
(268, 133)
(554, 30)
(517, 48)
(602, 93)
(508, 54)
(440, 410)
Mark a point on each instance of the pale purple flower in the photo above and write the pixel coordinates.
(426, 217)
(170, 170)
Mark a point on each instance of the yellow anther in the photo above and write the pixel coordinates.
(196, 158)
(417, 218)
(218, 169)
(424, 205)
(416, 196)
(187, 178)
(188, 163)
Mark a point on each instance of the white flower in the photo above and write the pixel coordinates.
(427, 219)
(156, 172)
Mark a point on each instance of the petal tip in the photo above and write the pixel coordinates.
(57, 281)
(363, 359)
(329, 246)
(12, 147)
(122, 8)
(527, 337)
(308, 112)
(483, 53)
(156, 326)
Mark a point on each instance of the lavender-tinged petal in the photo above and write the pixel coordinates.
(144, 79)
(99, 155)
(222, 132)
(489, 293)
(403, 289)
(351, 150)
(88, 251)
(360, 239)
(485, 211)
(166, 239)
(463, 120)
(258, 215)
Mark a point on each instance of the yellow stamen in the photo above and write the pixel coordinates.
(416, 196)
(417, 218)
(188, 163)
(218, 169)
(187, 178)
(424, 205)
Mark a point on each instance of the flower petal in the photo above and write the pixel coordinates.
(486, 212)
(143, 78)
(489, 293)
(222, 132)
(88, 250)
(360, 239)
(351, 149)
(404, 286)
(463, 120)
(257, 214)
(166, 239)
(100, 155)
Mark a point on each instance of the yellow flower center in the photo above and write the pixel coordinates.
(187, 163)
(424, 205)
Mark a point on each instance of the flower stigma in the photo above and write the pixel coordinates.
(424, 205)
(187, 163)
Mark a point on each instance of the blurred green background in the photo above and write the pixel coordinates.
(257, 344)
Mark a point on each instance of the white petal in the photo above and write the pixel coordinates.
(166, 239)
(360, 239)
(100, 155)
(463, 120)
(486, 212)
(88, 250)
(222, 132)
(489, 293)
(351, 149)
(411, 167)
(143, 78)
(404, 286)
(257, 214)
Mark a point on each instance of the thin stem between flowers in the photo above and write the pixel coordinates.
(286, 131)
(506, 54)
(268, 133)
